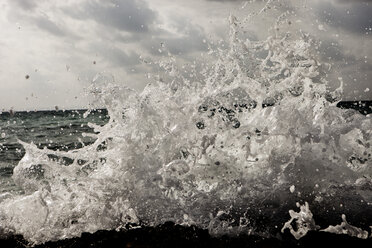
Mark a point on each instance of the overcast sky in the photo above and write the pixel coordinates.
(61, 45)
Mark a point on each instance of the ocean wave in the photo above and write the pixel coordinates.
(229, 146)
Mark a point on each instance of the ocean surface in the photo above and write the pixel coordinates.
(55, 130)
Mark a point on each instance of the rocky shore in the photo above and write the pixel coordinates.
(171, 235)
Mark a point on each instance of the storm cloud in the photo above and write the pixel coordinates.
(26, 4)
(354, 17)
(61, 45)
(125, 15)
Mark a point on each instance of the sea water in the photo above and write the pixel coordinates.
(229, 143)
(55, 130)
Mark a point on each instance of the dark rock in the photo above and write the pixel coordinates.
(171, 235)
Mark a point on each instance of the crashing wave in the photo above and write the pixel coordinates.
(202, 149)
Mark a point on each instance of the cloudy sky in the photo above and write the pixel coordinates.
(50, 50)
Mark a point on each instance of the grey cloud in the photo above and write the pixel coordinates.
(49, 26)
(139, 28)
(125, 15)
(191, 41)
(331, 50)
(355, 17)
(115, 55)
(356, 76)
(38, 18)
(115, 18)
(26, 4)
(355, 71)
(176, 45)
(183, 46)
(189, 38)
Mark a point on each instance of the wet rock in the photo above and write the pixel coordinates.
(171, 235)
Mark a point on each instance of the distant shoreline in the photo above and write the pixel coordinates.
(79, 111)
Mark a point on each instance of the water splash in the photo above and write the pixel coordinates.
(200, 147)
(346, 228)
(304, 221)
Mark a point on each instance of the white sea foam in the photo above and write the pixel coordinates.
(304, 222)
(346, 228)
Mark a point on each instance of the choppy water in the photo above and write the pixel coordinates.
(55, 130)
(227, 144)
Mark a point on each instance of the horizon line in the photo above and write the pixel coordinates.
(103, 108)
